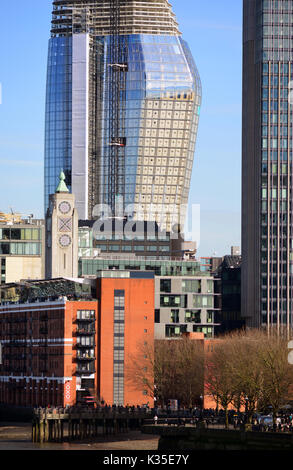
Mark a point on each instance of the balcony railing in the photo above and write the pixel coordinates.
(85, 358)
(84, 370)
(86, 331)
(86, 346)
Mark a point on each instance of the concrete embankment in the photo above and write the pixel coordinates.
(190, 438)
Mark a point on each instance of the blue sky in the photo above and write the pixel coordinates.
(213, 30)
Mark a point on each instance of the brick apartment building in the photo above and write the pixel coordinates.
(126, 307)
(42, 344)
(62, 340)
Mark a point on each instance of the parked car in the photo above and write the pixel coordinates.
(266, 420)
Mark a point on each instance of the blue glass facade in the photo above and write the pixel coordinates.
(58, 123)
(160, 113)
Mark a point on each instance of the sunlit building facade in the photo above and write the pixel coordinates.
(267, 237)
(158, 114)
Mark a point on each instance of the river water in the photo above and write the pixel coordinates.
(17, 436)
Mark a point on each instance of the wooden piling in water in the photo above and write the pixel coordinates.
(52, 425)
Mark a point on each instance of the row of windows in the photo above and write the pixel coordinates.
(275, 18)
(199, 301)
(20, 234)
(280, 55)
(279, 43)
(130, 248)
(274, 193)
(190, 316)
(275, 106)
(188, 285)
(284, 68)
(85, 341)
(276, 93)
(279, 5)
(26, 249)
(130, 236)
(274, 207)
(274, 81)
(274, 168)
(86, 354)
(275, 118)
(161, 268)
(176, 331)
(275, 132)
(86, 314)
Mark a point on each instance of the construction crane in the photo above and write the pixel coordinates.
(14, 217)
(117, 68)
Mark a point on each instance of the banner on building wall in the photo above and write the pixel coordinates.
(67, 393)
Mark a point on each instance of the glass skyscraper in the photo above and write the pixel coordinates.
(158, 111)
(267, 238)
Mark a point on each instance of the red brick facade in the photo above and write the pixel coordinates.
(138, 312)
(57, 352)
(39, 352)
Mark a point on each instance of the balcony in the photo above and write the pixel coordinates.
(82, 345)
(81, 369)
(86, 331)
(85, 358)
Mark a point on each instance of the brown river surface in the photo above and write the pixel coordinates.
(17, 436)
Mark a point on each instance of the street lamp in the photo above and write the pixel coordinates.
(246, 408)
(201, 406)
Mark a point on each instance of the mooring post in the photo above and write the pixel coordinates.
(69, 428)
(58, 429)
(38, 431)
(46, 430)
(61, 430)
(41, 430)
(34, 430)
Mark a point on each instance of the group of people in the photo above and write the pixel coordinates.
(283, 424)
(211, 417)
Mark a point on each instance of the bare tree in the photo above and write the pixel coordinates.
(218, 377)
(173, 369)
(140, 371)
(251, 370)
(277, 372)
(188, 362)
(246, 370)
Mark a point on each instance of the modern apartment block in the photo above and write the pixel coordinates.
(186, 298)
(22, 243)
(184, 304)
(122, 108)
(267, 238)
(63, 340)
